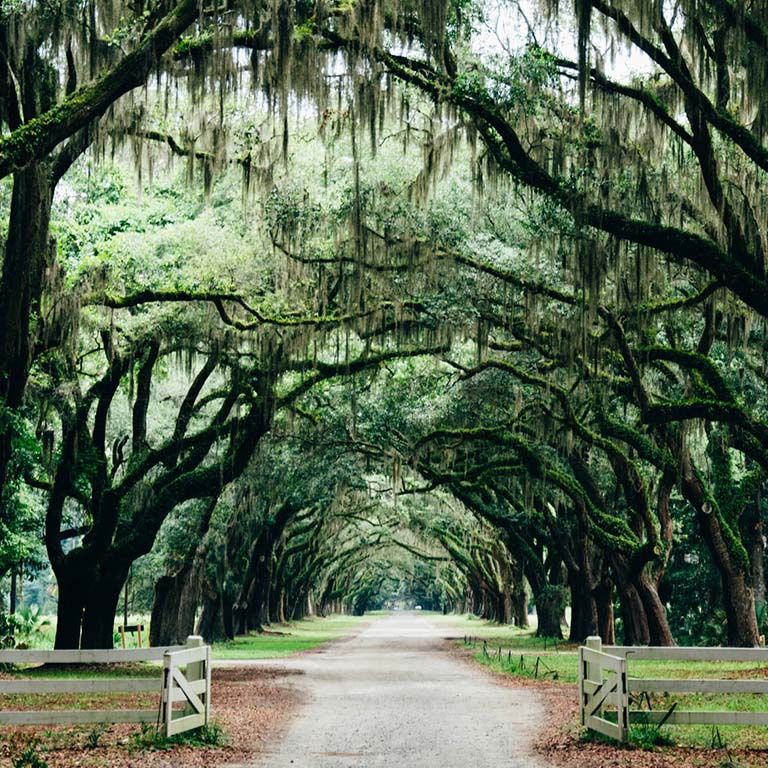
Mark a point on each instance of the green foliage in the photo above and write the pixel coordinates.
(93, 737)
(649, 737)
(149, 738)
(539, 437)
(692, 587)
(510, 83)
(29, 757)
(29, 624)
(21, 507)
(128, 29)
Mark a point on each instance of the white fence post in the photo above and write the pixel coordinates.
(207, 685)
(593, 671)
(167, 693)
(622, 701)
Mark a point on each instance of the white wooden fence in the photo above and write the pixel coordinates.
(598, 691)
(191, 687)
(605, 687)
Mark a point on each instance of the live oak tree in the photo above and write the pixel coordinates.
(62, 71)
(583, 246)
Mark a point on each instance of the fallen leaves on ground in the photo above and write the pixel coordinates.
(250, 705)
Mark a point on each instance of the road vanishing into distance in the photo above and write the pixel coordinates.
(394, 696)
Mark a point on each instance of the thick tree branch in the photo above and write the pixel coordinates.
(40, 136)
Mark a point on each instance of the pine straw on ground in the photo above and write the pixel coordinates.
(250, 705)
(561, 744)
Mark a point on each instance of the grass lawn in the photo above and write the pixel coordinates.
(285, 639)
(468, 626)
(139, 669)
(521, 650)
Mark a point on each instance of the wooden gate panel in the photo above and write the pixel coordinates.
(192, 687)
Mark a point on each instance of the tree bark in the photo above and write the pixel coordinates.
(753, 538)
(21, 285)
(643, 613)
(101, 607)
(584, 621)
(634, 620)
(655, 611)
(210, 625)
(605, 617)
(69, 614)
(732, 565)
(550, 602)
(175, 604)
(519, 597)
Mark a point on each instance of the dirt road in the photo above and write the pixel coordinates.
(392, 697)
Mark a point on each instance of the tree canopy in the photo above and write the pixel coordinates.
(313, 306)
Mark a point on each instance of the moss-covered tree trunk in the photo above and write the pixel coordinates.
(583, 608)
(730, 558)
(550, 602)
(753, 535)
(655, 610)
(21, 284)
(175, 604)
(606, 622)
(519, 596)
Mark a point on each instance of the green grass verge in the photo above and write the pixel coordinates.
(286, 639)
(84, 671)
(461, 626)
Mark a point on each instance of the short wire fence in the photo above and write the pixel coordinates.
(515, 662)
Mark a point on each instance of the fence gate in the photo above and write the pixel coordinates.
(191, 687)
(598, 692)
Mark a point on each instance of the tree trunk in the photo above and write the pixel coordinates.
(257, 584)
(549, 610)
(21, 284)
(519, 597)
(175, 605)
(227, 618)
(655, 611)
(753, 538)
(731, 561)
(635, 621)
(257, 599)
(508, 604)
(69, 615)
(605, 619)
(210, 625)
(583, 609)
(12, 610)
(101, 608)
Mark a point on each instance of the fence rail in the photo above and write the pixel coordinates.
(604, 683)
(194, 691)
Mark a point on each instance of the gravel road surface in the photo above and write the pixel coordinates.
(393, 697)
